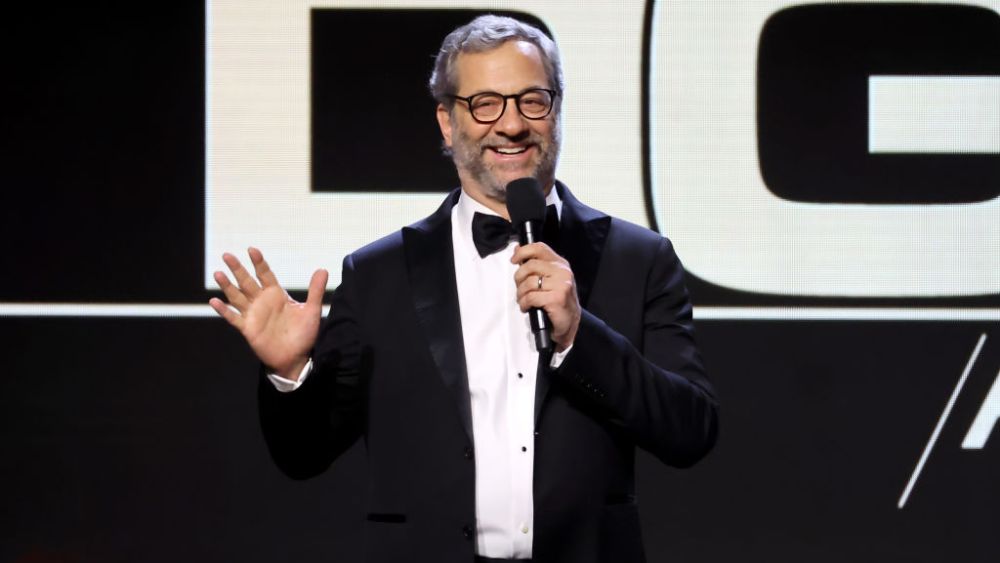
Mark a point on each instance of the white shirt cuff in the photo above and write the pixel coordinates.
(558, 357)
(287, 385)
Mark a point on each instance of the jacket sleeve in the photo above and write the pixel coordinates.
(656, 390)
(307, 429)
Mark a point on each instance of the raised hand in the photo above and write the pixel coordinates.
(280, 330)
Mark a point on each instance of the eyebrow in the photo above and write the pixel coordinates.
(546, 87)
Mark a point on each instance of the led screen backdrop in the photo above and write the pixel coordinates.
(829, 174)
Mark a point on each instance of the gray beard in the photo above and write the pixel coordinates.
(468, 156)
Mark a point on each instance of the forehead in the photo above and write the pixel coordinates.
(510, 68)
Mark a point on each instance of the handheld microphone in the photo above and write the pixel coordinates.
(526, 206)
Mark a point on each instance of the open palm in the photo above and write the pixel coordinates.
(280, 330)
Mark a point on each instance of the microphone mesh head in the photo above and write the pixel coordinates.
(525, 201)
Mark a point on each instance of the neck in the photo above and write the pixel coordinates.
(495, 205)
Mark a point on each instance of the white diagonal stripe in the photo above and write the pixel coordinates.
(940, 423)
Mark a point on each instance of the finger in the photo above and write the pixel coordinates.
(233, 293)
(560, 296)
(533, 283)
(317, 285)
(534, 300)
(262, 268)
(526, 252)
(535, 250)
(534, 267)
(243, 278)
(226, 313)
(560, 283)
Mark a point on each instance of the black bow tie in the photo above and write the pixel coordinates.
(490, 233)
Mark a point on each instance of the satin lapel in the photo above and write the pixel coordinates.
(582, 232)
(430, 262)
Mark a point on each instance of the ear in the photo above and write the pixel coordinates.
(444, 122)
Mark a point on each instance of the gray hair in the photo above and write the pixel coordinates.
(486, 33)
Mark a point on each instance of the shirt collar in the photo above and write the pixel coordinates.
(467, 207)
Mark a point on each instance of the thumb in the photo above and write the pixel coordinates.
(317, 285)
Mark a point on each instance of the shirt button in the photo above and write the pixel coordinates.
(520, 375)
(468, 453)
(524, 449)
(467, 532)
(524, 528)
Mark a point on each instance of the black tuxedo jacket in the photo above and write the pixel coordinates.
(389, 367)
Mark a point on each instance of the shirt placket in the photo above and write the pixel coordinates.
(521, 395)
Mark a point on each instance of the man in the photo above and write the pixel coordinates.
(479, 447)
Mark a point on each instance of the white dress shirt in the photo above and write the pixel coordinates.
(501, 363)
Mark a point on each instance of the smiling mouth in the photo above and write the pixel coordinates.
(510, 150)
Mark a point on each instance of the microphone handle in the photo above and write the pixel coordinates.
(541, 326)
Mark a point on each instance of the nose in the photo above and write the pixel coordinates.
(511, 124)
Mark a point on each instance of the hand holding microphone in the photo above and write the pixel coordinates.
(546, 289)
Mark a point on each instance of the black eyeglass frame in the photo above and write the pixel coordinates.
(553, 94)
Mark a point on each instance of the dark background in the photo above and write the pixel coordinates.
(137, 439)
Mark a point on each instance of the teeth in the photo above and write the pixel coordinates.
(513, 150)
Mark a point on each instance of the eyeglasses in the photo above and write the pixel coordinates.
(488, 107)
